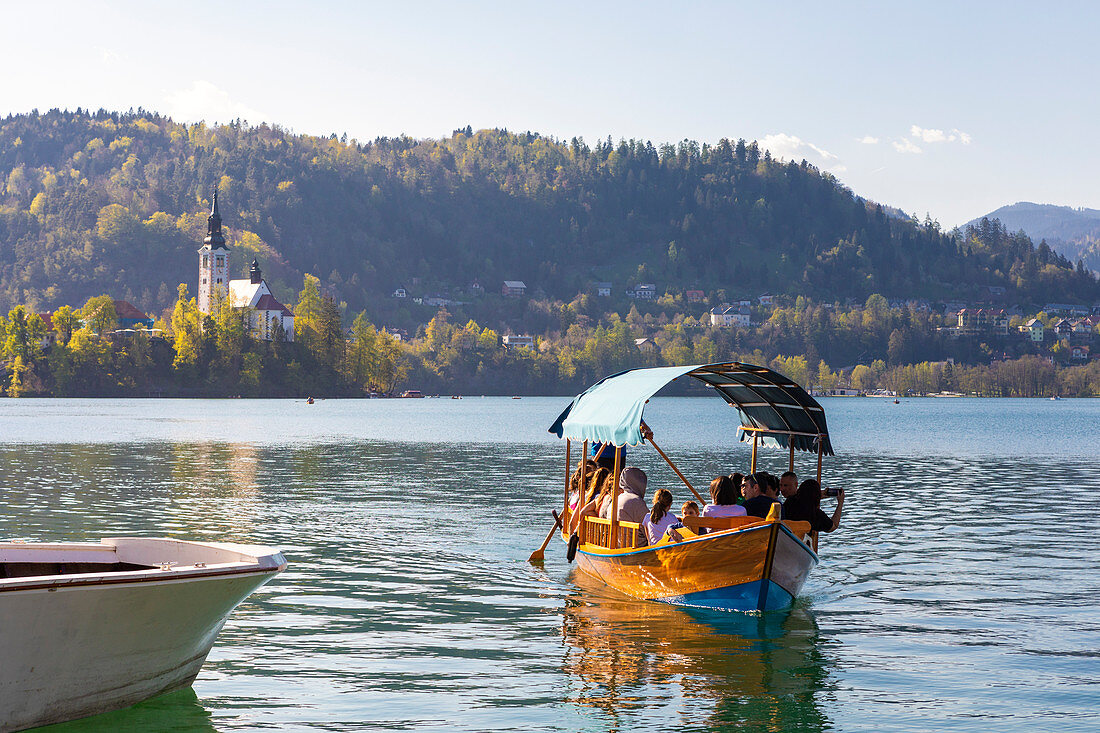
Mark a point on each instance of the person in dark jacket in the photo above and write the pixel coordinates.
(759, 494)
(805, 506)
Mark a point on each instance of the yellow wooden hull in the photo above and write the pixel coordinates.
(758, 567)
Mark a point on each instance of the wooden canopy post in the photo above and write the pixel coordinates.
(584, 487)
(568, 476)
(820, 452)
(615, 503)
(752, 465)
(790, 443)
(676, 470)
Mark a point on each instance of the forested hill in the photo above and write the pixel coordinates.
(116, 203)
(1073, 232)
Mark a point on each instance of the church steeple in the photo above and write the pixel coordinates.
(214, 236)
(213, 262)
(254, 273)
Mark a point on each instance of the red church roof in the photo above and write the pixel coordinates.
(268, 303)
(125, 309)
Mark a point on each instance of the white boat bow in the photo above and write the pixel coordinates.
(86, 627)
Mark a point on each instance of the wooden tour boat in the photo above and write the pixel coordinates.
(739, 563)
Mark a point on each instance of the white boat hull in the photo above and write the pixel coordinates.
(77, 644)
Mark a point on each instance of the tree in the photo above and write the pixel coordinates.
(65, 322)
(307, 314)
(863, 378)
(186, 329)
(24, 333)
(99, 315)
(229, 334)
(330, 334)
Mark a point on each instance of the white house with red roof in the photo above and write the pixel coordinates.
(263, 315)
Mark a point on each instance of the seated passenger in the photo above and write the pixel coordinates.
(723, 498)
(659, 519)
(738, 478)
(759, 494)
(689, 509)
(588, 467)
(805, 506)
(590, 505)
(632, 507)
(788, 484)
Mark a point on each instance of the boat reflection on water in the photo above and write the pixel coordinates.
(176, 712)
(712, 669)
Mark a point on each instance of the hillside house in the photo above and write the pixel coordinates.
(1064, 327)
(130, 317)
(603, 290)
(695, 296)
(1079, 353)
(519, 342)
(643, 291)
(729, 316)
(646, 346)
(400, 293)
(766, 299)
(514, 289)
(971, 322)
(50, 337)
(1034, 329)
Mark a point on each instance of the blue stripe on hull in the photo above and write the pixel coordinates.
(744, 597)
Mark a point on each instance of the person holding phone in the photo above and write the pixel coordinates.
(805, 506)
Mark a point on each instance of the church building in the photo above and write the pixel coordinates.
(262, 314)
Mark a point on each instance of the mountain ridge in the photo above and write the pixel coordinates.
(1071, 231)
(115, 202)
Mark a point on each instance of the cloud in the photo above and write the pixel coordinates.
(930, 135)
(868, 140)
(905, 145)
(205, 101)
(790, 147)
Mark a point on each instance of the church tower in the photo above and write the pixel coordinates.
(213, 262)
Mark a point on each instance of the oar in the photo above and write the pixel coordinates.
(540, 554)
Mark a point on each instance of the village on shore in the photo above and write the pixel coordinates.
(236, 337)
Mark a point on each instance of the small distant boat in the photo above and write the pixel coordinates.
(897, 402)
(309, 400)
(86, 628)
(741, 563)
(1055, 397)
(456, 397)
(516, 397)
(413, 394)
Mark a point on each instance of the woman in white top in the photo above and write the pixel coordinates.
(659, 519)
(723, 496)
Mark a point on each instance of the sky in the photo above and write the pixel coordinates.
(946, 108)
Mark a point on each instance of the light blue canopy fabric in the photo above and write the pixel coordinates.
(610, 411)
(771, 406)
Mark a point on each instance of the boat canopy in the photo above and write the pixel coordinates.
(770, 405)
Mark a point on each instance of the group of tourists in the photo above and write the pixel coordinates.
(735, 495)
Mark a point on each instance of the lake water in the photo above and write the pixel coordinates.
(959, 593)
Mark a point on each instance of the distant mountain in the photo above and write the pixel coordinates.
(115, 203)
(1072, 232)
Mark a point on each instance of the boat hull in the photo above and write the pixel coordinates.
(75, 645)
(761, 567)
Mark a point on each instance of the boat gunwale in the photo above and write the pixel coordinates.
(137, 577)
(761, 525)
